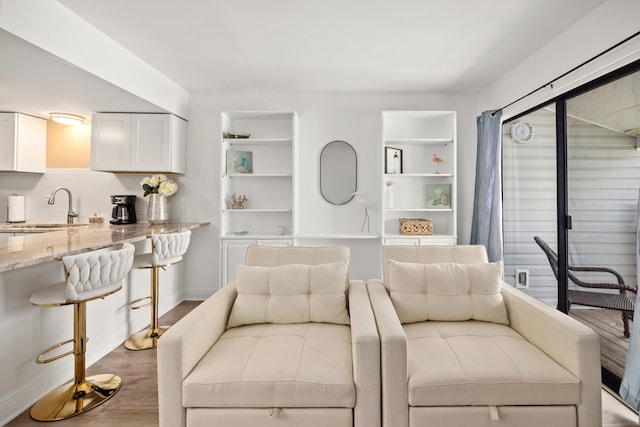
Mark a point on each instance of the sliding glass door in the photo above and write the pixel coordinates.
(603, 181)
(571, 176)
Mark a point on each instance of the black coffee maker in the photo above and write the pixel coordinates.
(124, 211)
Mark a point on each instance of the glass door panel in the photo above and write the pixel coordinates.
(529, 201)
(603, 178)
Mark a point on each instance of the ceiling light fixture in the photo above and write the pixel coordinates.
(67, 119)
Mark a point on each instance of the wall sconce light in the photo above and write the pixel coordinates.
(67, 119)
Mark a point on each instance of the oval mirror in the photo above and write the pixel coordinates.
(338, 172)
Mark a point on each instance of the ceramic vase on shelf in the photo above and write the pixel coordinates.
(388, 197)
(158, 212)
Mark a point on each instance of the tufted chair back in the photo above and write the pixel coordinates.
(168, 248)
(93, 274)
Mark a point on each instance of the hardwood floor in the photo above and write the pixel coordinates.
(136, 403)
(608, 324)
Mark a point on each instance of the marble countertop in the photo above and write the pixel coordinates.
(35, 243)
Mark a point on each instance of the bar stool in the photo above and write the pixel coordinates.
(166, 249)
(89, 276)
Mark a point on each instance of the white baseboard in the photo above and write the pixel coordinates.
(197, 294)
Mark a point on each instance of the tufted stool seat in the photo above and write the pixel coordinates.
(89, 276)
(166, 249)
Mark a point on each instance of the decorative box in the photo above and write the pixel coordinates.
(416, 226)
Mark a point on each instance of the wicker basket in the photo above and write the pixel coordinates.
(416, 226)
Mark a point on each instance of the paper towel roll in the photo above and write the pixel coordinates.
(15, 208)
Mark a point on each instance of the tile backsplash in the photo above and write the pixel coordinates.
(91, 191)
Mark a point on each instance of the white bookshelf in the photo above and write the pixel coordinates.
(270, 184)
(423, 188)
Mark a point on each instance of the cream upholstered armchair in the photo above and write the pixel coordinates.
(459, 347)
(291, 342)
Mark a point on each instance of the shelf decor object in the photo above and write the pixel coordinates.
(392, 160)
(239, 161)
(416, 226)
(388, 195)
(237, 202)
(439, 195)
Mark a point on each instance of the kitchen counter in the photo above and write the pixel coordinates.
(39, 243)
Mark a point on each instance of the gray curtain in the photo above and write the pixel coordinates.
(486, 226)
(630, 386)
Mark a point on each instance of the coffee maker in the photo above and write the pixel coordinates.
(124, 211)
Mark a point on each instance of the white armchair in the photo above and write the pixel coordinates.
(459, 347)
(291, 342)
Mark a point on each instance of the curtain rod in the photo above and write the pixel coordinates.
(493, 113)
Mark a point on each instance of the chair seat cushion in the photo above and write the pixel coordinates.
(481, 363)
(275, 365)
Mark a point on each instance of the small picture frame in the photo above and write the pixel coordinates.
(439, 196)
(392, 160)
(239, 161)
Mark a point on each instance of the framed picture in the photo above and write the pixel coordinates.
(239, 161)
(392, 160)
(439, 195)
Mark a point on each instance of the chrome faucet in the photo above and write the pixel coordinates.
(52, 199)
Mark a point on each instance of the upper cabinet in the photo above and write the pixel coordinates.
(419, 176)
(23, 143)
(132, 142)
(258, 162)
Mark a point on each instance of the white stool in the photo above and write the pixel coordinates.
(166, 249)
(89, 276)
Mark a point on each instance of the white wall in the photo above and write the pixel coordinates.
(604, 27)
(323, 118)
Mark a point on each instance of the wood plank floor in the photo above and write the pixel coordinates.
(136, 403)
(608, 324)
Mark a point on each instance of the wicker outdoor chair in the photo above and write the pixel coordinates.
(619, 301)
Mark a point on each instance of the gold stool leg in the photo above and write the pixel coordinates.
(148, 338)
(81, 394)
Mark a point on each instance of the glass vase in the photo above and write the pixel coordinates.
(158, 211)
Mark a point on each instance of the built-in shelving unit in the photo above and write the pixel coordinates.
(257, 160)
(419, 162)
(269, 184)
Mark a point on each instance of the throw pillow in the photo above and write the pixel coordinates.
(292, 293)
(447, 292)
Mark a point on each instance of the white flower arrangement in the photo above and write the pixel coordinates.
(159, 184)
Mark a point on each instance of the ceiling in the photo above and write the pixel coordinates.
(332, 45)
(401, 46)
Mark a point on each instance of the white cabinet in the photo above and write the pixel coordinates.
(419, 170)
(23, 143)
(257, 161)
(138, 142)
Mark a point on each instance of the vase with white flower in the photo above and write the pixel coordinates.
(158, 188)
